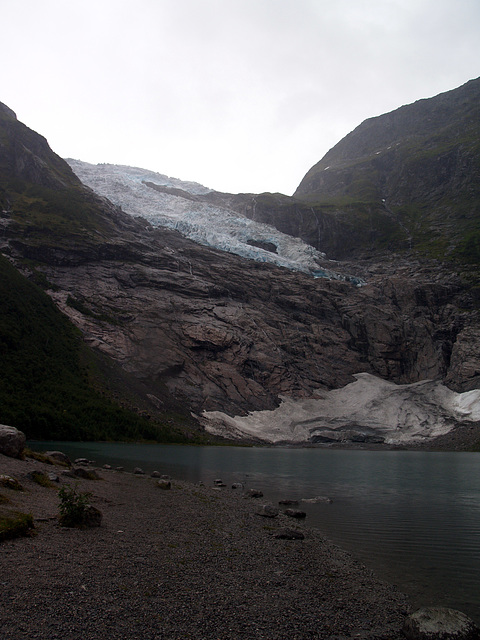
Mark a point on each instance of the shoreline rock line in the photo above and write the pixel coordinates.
(190, 562)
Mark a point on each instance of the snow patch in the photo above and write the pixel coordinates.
(367, 410)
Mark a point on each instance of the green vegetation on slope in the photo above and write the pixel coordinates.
(44, 387)
(15, 524)
(61, 217)
(418, 169)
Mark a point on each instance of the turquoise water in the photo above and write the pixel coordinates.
(413, 517)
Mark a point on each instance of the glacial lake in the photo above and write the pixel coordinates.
(413, 517)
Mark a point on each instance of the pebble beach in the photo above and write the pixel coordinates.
(189, 562)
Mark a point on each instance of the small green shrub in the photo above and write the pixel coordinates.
(42, 457)
(36, 455)
(73, 506)
(15, 524)
(10, 483)
(42, 479)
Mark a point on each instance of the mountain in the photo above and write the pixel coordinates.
(176, 327)
(52, 385)
(415, 170)
(47, 379)
(408, 180)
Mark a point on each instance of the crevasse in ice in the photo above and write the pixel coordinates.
(133, 190)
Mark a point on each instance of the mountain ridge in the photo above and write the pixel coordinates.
(422, 118)
(417, 164)
(363, 198)
(180, 324)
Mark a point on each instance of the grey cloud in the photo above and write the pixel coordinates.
(242, 95)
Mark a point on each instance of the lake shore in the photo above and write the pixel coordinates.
(189, 562)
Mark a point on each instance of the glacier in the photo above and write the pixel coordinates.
(175, 204)
(368, 410)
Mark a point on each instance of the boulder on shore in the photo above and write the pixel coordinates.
(12, 441)
(295, 513)
(254, 493)
(289, 534)
(439, 623)
(59, 456)
(267, 511)
(86, 474)
(92, 517)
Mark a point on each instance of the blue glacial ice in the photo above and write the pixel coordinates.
(218, 227)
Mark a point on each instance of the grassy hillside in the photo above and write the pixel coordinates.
(45, 381)
(415, 171)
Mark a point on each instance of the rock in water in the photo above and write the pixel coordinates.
(295, 513)
(12, 441)
(267, 511)
(440, 623)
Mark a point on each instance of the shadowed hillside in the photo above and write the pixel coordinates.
(47, 374)
(411, 176)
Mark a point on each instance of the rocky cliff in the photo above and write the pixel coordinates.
(180, 324)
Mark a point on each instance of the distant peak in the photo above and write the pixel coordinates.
(7, 110)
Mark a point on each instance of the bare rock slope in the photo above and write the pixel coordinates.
(212, 330)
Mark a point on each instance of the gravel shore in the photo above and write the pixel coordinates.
(191, 562)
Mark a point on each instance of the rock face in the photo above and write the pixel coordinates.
(12, 441)
(231, 335)
(179, 324)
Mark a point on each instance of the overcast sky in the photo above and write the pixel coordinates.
(239, 95)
